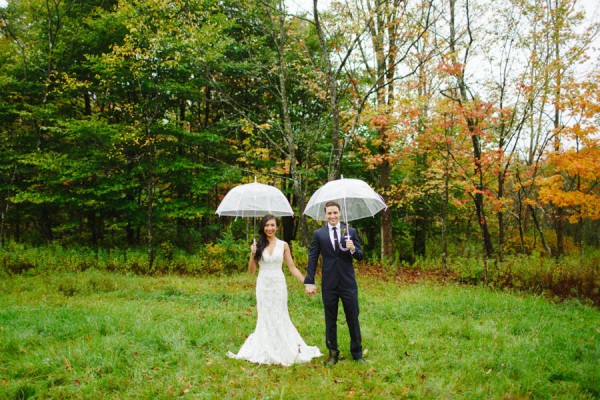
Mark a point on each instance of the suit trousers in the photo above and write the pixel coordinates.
(349, 297)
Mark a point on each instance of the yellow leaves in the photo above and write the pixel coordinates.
(530, 202)
(259, 153)
(584, 164)
(73, 82)
(574, 184)
(581, 205)
(575, 174)
(247, 127)
(262, 154)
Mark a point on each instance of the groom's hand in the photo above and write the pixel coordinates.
(350, 245)
(310, 289)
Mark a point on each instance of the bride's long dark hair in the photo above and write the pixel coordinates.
(263, 242)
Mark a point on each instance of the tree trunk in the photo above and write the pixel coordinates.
(387, 244)
(445, 208)
(4, 210)
(500, 217)
(487, 240)
(385, 98)
(475, 139)
(92, 225)
(130, 234)
(580, 225)
(559, 215)
(150, 196)
(539, 230)
(207, 95)
(45, 223)
(288, 131)
(420, 229)
(335, 162)
(520, 223)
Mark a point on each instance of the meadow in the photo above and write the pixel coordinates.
(105, 335)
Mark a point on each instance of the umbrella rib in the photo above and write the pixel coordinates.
(238, 208)
(269, 205)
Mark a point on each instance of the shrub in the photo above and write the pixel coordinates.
(566, 277)
(299, 254)
(468, 269)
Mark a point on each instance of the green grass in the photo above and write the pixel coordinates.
(100, 335)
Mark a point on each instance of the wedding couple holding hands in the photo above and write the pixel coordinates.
(275, 339)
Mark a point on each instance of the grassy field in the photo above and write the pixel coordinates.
(98, 335)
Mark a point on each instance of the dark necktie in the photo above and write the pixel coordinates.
(336, 242)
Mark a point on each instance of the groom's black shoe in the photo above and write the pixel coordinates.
(333, 359)
(360, 360)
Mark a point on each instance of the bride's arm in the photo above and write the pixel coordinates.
(252, 262)
(287, 256)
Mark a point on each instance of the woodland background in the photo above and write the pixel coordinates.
(124, 123)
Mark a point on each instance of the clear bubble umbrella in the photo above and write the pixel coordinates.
(254, 200)
(356, 198)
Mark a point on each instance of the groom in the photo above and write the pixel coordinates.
(338, 246)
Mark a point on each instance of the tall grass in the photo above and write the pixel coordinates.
(225, 256)
(566, 277)
(99, 334)
(562, 278)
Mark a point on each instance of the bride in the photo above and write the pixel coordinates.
(275, 339)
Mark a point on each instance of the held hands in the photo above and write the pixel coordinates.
(310, 289)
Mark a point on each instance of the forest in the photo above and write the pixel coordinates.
(124, 123)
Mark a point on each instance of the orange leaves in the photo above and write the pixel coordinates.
(380, 121)
(452, 69)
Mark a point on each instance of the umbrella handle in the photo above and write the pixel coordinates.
(346, 236)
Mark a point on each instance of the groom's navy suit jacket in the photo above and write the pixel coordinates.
(337, 270)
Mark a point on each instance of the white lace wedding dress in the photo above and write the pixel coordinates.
(275, 339)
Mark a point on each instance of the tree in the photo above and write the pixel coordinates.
(375, 47)
(573, 182)
(43, 42)
(555, 47)
(165, 44)
(473, 111)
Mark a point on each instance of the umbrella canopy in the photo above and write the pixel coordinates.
(357, 199)
(254, 200)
